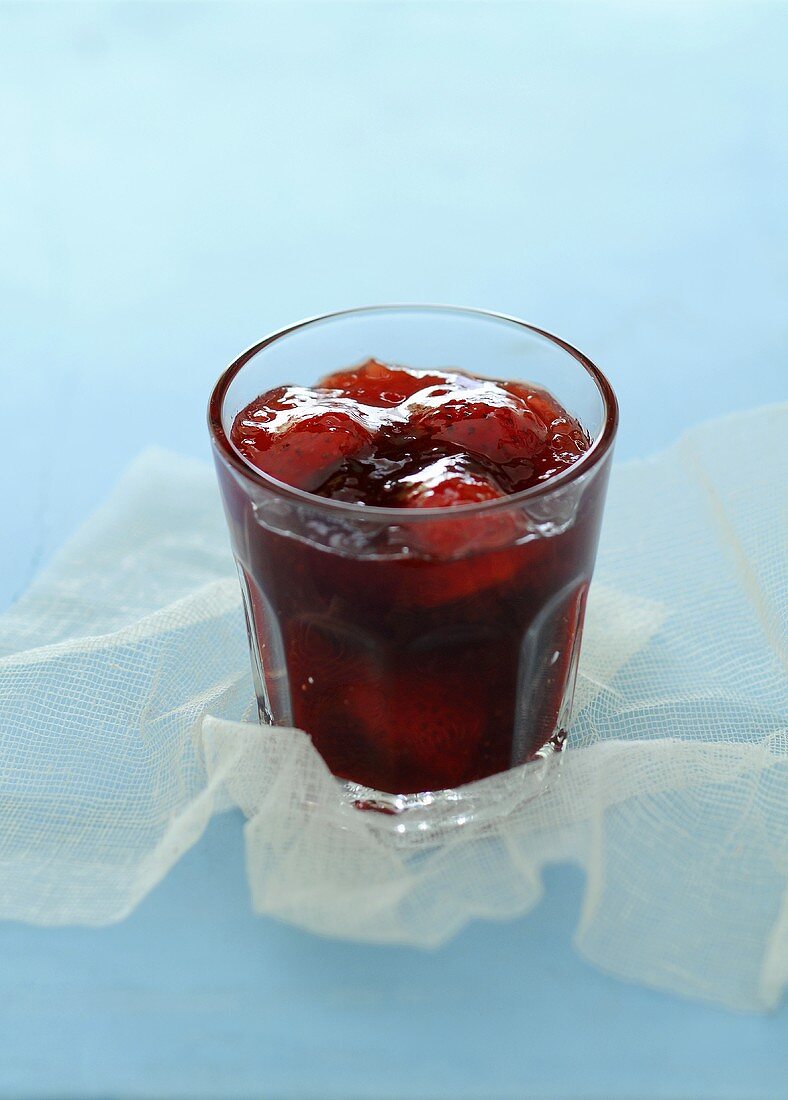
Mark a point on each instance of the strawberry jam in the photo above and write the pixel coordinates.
(397, 438)
(430, 651)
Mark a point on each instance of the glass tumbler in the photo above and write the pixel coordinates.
(421, 649)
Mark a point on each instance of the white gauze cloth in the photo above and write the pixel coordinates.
(126, 721)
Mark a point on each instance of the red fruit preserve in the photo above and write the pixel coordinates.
(411, 610)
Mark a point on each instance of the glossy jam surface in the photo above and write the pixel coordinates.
(448, 658)
(392, 437)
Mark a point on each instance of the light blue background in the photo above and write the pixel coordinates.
(175, 181)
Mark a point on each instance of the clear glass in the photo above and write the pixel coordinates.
(416, 674)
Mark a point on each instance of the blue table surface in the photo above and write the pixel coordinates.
(178, 179)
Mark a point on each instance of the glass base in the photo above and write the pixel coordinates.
(412, 816)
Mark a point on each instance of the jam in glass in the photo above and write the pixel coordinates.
(415, 545)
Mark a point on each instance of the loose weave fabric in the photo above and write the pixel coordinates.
(127, 721)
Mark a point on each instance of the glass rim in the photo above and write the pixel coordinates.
(587, 461)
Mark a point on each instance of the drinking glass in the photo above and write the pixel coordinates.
(421, 649)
